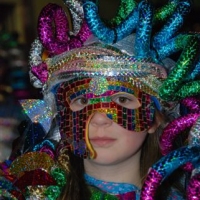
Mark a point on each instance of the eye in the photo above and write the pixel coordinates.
(123, 100)
(126, 100)
(79, 103)
(82, 100)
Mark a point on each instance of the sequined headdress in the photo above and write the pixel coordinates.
(63, 47)
(114, 48)
(122, 47)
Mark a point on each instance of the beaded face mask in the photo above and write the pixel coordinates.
(80, 98)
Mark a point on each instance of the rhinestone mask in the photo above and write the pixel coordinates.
(98, 92)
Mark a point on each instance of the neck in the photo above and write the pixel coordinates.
(127, 171)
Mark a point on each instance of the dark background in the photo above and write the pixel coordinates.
(20, 16)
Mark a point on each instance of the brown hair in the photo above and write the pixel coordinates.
(76, 188)
(150, 152)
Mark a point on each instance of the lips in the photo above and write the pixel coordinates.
(102, 141)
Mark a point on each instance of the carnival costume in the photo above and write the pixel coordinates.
(96, 59)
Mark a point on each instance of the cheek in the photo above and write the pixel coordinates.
(134, 140)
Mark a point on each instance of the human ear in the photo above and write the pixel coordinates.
(158, 119)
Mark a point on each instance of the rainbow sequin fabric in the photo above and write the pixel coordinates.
(34, 175)
(96, 60)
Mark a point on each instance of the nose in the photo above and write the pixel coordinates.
(100, 119)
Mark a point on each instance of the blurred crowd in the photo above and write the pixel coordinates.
(14, 85)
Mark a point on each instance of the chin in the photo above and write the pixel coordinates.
(105, 160)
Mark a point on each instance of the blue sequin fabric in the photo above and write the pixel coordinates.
(117, 189)
(125, 191)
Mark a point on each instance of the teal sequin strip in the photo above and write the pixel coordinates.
(164, 12)
(125, 8)
(173, 88)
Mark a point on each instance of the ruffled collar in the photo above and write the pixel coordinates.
(118, 189)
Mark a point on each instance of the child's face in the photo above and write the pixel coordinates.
(126, 110)
(113, 143)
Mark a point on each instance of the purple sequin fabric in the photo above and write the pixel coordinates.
(175, 128)
(40, 72)
(192, 103)
(193, 190)
(59, 41)
(150, 185)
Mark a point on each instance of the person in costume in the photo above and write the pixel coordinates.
(109, 90)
